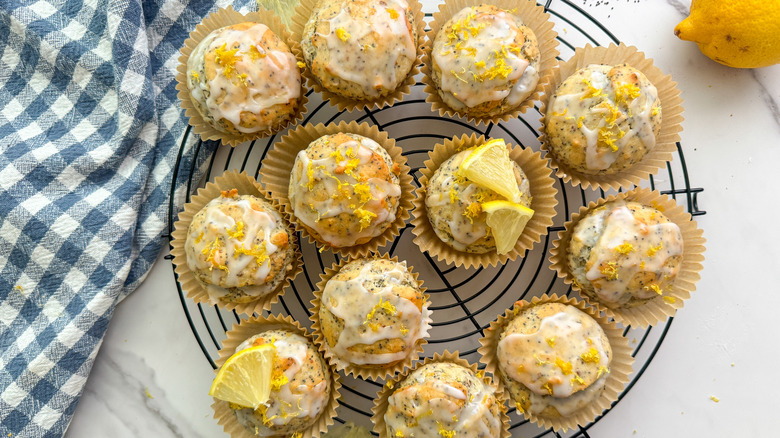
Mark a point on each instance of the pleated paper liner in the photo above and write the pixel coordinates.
(239, 333)
(365, 372)
(543, 203)
(217, 20)
(278, 165)
(246, 185)
(619, 369)
(381, 403)
(298, 22)
(661, 307)
(671, 115)
(532, 16)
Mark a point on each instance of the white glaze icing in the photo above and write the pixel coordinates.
(480, 58)
(353, 303)
(371, 66)
(257, 80)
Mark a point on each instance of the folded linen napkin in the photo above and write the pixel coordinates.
(90, 128)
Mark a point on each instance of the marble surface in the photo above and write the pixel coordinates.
(151, 379)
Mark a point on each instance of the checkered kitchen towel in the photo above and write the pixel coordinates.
(90, 128)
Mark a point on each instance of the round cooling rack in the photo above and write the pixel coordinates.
(464, 301)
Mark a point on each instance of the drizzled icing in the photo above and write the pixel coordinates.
(365, 43)
(356, 305)
(480, 61)
(443, 410)
(286, 402)
(346, 190)
(608, 115)
(628, 246)
(250, 77)
(234, 245)
(553, 360)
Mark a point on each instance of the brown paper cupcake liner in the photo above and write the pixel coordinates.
(366, 372)
(620, 367)
(303, 12)
(241, 332)
(381, 403)
(661, 307)
(532, 15)
(671, 119)
(278, 165)
(217, 20)
(246, 185)
(543, 203)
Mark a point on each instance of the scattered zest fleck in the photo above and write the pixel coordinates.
(301, 64)
(393, 13)
(146, 391)
(670, 300)
(342, 34)
(625, 248)
(715, 399)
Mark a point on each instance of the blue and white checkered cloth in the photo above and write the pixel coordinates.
(90, 128)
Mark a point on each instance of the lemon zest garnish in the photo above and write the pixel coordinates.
(404, 330)
(255, 54)
(351, 166)
(563, 365)
(237, 232)
(458, 77)
(642, 265)
(626, 91)
(602, 370)
(398, 433)
(656, 110)
(580, 121)
(211, 251)
(651, 252)
(654, 287)
(195, 76)
(258, 252)
(472, 211)
(393, 13)
(227, 59)
(365, 217)
(551, 341)
(363, 192)
(591, 356)
(591, 90)
(577, 379)
(479, 64)
(539, 361)
(625, 248)
(310, 176)
(199, 238)
(301, 64)
(565, 110)
(548, 387)
(610, 271)
(444, 432)
(342, 34)
(670, 300)
(381, 305)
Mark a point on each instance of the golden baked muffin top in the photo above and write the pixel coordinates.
(443, 399)
(345, 189)
(603, 119)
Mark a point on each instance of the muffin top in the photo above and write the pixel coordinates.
(360, 49)
(238, 242)
(624, 252)
(345, 189)
(485, 60)
(603, 119)
(238, 72)
(373, 312)
(454, 206)
(556, 351)
(300, 385)
(443, 399)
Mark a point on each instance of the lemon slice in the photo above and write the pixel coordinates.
(489, 165)
(507, 221)
(245, 379)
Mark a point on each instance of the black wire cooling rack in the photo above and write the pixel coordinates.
(464, 301)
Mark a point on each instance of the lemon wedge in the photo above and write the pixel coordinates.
(507, 221)
(489, 165)
(245, 378)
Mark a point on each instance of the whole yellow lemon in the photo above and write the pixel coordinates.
(736, 33)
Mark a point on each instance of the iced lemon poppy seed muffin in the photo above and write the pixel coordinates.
(443, 399)
(344, 189)
(300, 386)
(360, 49)
(624, 254)
(243, 79)
(372, 313)
(239, 248)
(553, 358)
(454, 205)
(603, 119)
(485, 62)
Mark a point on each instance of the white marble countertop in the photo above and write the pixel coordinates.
(151, 379)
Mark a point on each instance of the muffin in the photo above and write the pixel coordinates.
(553, 359)
(443, 399)
(239, 248)
(344, 189)
(624, 254)
(454, 210)
(244, 80)
(300, 386)
(484, 61)
(602, 119)
(360, 50)
(373, 313)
